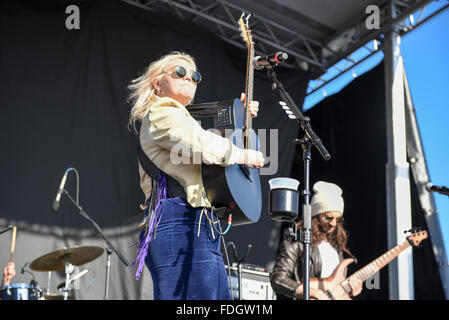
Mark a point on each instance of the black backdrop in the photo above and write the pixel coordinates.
(63, 104)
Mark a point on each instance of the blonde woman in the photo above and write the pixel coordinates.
(179, 242)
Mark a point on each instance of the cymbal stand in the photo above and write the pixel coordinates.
(108, 266)
(105, 238)
(68, 271)
(47, 291)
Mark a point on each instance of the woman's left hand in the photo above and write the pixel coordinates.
(253, 106)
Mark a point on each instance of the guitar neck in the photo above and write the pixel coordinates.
(249, 85)
(370, 269)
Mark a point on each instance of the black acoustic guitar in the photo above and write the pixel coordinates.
(237, 187)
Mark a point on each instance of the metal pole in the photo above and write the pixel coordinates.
(306, 217)
(398, 196)
(108, 268)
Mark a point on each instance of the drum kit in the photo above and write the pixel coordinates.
(64, 259)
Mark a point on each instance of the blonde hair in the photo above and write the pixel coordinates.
(142, 92)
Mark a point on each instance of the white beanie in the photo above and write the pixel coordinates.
(327, 197)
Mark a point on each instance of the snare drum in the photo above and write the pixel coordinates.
(20, 291)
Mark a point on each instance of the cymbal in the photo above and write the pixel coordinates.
(77, 255)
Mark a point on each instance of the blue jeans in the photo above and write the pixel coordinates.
(183, 265)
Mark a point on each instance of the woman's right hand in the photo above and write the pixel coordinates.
(251, 158)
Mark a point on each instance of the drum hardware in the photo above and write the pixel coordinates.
(24, 269)
(65, 259)
(68, 271)
(84, 214)
(47, 291)
(75, 277)
(21, 291)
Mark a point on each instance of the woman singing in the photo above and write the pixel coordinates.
(180, 242)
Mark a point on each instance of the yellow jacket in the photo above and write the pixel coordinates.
(176, 143)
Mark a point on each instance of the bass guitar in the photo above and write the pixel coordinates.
(337, 285)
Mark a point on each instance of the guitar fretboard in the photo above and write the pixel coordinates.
(370, 269)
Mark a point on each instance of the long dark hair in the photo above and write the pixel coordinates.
(338, 238)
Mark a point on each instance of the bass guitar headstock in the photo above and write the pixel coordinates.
(417, 236)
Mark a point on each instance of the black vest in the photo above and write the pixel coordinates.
(174, 188)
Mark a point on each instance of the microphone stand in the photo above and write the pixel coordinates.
(310, 138)
(110, 248)
(6, 229)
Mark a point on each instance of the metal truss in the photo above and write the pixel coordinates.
(220, 17)
(317, 57)
(403, 23)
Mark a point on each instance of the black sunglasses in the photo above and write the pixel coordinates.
(181, 72)
(330, 218)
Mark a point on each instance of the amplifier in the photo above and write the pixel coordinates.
(255, 284)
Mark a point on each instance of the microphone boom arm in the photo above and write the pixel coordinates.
(97, 227)
(303, 121)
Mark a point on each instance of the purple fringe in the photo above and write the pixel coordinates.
(148, 234)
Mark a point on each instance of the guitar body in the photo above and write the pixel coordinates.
(235, 187)
(332, 283)
(337, 285)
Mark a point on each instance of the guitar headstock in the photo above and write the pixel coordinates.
(417, 236)
(244, 28)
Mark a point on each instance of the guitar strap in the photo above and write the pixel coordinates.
(174, 188)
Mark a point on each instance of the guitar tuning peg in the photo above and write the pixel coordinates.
(414, 230)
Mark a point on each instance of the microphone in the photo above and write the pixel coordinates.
(268, 61)
(433, 188)
(60, 191)
(33, 281)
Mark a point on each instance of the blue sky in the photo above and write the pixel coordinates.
(426, 57)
